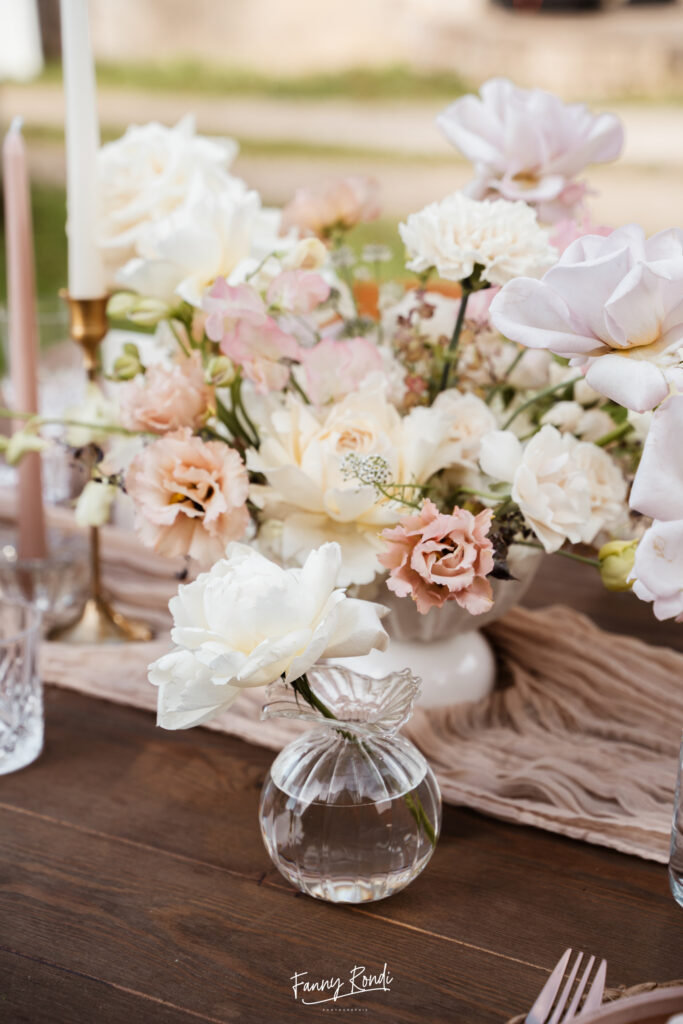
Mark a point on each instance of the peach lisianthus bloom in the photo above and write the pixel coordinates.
(167, 398)
(340, 203)
(190, 496)
(435, 558)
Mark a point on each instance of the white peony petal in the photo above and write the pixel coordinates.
(358, 630)
(187, 695)
(501, 454)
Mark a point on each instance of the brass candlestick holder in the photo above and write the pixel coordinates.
(99, 622)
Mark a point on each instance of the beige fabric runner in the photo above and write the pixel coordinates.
(583, 740)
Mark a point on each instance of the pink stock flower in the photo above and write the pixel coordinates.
(190, 496)
(527, 144)
(259, 350)
(435, 558)
(167, 398)
(566, 231)
(297, 291)
(341, 203)
(227, 306)
(336, 368)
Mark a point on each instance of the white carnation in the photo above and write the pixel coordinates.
(458, 233)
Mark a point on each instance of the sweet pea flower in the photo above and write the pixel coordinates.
(613, 306)
(657, 490)
(658, 569)
(338, 204)
(226, 306)
(334, 369)
(260, 350)
(435, 558)
(249, 622)
(527, 144)
(297, 291)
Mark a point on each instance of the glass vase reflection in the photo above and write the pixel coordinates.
(350, 811)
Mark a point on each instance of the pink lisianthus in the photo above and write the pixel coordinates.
(227, 306)
(259, 350)
(336, 368)
(190, 496)
(435, 558)
(297, 291)
(341, 203)
(566, 231)
(167, 398)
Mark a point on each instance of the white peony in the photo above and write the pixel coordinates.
(303, 456)
(148, 173)
(211, 235)
(527, 144)
(458, 233)
(658, 569)
(248, 622)
(566, 489)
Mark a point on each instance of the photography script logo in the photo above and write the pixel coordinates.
(330, 990)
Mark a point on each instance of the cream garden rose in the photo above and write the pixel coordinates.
(249, 622)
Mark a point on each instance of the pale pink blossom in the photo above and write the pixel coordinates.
(341, 203)
(190, 496)
(613, 306)
(658, 569)
(259, 349)
(226, 306)
(566, 231)
(297, 291)
(334, 369)
(435, 558)
(167, 397)
(527, 144)
(658, 487)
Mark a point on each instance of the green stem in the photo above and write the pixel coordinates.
(483, 494)
(506, 373)
(455, 338)
(300, 391)
(538, 396)
(42, 421)
(242, 408)
(177, 337)
(614, 435)
(565, 554)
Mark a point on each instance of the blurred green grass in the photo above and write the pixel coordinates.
(395, 82)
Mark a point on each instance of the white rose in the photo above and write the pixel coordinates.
(448, 433)
(566, 489)
(248, 622)
(148, 173)
(94, 503)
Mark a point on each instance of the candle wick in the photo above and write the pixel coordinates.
(16, 125)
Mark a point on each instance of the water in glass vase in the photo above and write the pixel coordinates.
(350, 819)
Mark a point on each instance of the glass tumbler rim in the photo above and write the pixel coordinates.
(33, 616)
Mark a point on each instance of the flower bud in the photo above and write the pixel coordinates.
(616, 563)
(149, 312)
(94, 504)
(128, 364)
(307, 254)
(220, 371)
(21, 443)
(121, 304)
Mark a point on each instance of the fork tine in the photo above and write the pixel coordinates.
(594, 997)
(538, 1014)
(564, 997)
(574, 1005)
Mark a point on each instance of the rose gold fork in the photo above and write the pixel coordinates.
(554, 1008)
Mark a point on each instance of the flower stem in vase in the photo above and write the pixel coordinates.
(452, 350)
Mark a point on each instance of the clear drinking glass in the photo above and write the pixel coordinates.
(21, 692)
(676, 859)
(350, 812)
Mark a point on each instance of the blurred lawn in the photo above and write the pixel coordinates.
(391, 83)
(49, 214)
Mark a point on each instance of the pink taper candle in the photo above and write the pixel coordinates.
(23, 334)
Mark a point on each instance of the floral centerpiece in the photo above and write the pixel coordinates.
(436, 438)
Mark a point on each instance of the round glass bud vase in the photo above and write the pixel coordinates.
(350, 812)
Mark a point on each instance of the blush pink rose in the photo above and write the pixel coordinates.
(341, 203)
(336, 368)
(259, 349)
(190, 496)
(167, 398)
(435, 558)
(297, 291)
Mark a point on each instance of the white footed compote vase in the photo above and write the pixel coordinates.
(445, 647)
(350, 811)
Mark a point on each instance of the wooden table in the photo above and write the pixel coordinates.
(136, 890)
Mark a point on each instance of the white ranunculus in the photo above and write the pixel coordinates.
(527, 144)
(248, 622)
(613, 306)
(658, 569)
(94, 503)
(212, 235)
(303, 454)
(566, 489)
(148, 173)
(658, 487)
(454, 235)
